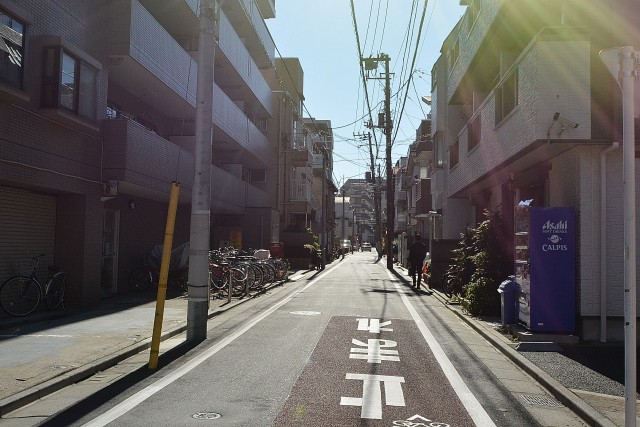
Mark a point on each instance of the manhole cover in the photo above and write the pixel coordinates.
(541, 401)
(206, 416)
(305, 313)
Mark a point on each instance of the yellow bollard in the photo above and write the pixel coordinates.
(164, 275)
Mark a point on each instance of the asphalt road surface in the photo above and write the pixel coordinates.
(352, 345)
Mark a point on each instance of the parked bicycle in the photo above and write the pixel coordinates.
(147, 274)
(21, 294)
(251, 271)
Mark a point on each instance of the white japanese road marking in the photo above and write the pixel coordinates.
(371, 400)
(374, 351)
(475, 410)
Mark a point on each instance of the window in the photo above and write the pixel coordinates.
(454, 154)
(11, 50)
(473, 10)
(473, 132)
(506, 96)
(68, 83)
(454, 54)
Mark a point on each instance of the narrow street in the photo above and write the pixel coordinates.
(351, 345)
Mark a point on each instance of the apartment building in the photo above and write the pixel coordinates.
(413, 191)
(524, 109)
(323, 188)
(97, 116)
(361, 194)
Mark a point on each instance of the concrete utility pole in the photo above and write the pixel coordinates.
(621, 63)
(376, 190)
(387, 129)
(198, 298)
(342, 241)
(387, 126)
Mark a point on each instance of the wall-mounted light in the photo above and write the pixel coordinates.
(132, 204)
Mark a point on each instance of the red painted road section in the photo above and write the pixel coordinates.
(389, 364)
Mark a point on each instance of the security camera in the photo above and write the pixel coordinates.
(563, 121)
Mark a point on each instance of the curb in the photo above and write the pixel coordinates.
(585, 411)
(25, 397)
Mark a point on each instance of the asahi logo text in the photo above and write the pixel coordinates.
(558, 227)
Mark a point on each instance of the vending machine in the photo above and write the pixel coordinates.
(545, 251)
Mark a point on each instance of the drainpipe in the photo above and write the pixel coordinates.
(603, 239)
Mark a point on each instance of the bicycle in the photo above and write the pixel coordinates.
(20, 295)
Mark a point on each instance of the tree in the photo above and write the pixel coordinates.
(492, 263)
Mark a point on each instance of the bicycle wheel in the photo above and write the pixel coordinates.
(20, 295)
(258, 276)
(269, 272)
(239, 275)
(54, 291)
(140, 279)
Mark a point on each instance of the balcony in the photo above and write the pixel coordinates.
(180, 19)
(145, 164)
(253, 29)
(300, 157)
(249, 83)
(551, 75)
(146, 61)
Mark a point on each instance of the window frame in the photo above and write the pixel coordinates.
(84, 100)
(5, 79)
(499, 94)
(474, 132)
(454, 153)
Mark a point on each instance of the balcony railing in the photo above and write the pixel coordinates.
(234, 49)
(135, 155)
(262, 32)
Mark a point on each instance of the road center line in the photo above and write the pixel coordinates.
(475, 410)
(133, 401)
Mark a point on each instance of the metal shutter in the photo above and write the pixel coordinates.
(27, 229)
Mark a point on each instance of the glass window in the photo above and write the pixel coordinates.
(68, 83)
(454, 152)
(506, 96)
(11, 50)
(473, 132)
(87, 93)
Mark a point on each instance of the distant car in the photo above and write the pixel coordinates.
(366, 247)
(345, 246)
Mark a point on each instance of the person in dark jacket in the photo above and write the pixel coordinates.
(417, 254)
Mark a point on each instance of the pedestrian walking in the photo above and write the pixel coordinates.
(417, 254)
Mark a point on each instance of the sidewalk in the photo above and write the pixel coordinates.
(570, 372)
(48, 351)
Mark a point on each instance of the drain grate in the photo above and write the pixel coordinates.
(206, 416)
(541, 400)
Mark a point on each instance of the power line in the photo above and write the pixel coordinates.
(413, 62)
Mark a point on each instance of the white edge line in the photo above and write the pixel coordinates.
(133, 401)
(473, 406)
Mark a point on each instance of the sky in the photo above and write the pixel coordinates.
(322, 35)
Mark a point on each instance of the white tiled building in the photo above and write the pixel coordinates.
(506, 71)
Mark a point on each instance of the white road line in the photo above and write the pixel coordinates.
(133, 401)
(475, 410)
(36, 336)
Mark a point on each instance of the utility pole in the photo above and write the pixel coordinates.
(342, 241)
(386, 125)
(198, 295)
(387, 130)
